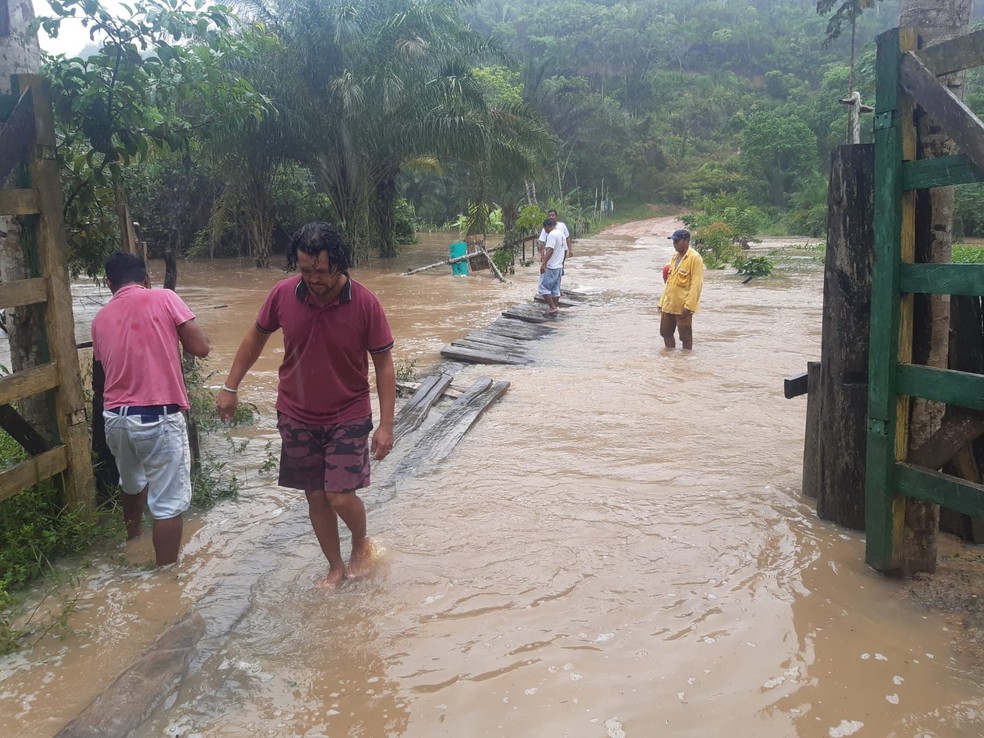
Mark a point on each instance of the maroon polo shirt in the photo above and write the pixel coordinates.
(324, 378)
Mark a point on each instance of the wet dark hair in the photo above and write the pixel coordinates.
(549, 222)
(124, 269)
(554, 216)
(312, 239)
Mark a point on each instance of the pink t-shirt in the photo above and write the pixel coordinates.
(136, 338)
(324, 378)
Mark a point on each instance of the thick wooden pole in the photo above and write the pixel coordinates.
(843, 390)
(59, 317)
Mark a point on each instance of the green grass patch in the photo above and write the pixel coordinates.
(967, 254)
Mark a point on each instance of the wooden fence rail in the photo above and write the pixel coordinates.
(28, 159)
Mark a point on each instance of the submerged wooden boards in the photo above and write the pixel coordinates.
(439, 440)
(504, 341)
(144, 686)
(414, 411)
(528, 314)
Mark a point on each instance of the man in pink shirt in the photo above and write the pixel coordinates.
(135, 340)
(332, 326)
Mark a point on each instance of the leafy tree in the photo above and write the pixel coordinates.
(158, 76)
(777, 149)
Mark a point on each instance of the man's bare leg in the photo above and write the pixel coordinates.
(350, 509)
(667, 325)
(685, 325)
(325, 524)
(133, 507)
(167, 539)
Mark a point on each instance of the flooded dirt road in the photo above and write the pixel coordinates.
(617, 548)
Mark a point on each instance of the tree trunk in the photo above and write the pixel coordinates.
(128, 236)
(259, 223)
(20, 54)
(936, 20)
(385, 215)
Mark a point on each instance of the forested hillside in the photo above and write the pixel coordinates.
(673, 100)
(221, 132)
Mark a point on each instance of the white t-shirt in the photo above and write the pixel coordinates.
(559, 228)
(557, 242)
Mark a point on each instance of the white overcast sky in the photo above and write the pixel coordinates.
(72, 37)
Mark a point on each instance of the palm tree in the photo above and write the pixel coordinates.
(380, 84)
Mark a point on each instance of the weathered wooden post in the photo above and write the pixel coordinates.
(814, 432)
(843, 386)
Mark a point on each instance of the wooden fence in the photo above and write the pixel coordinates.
(28, 162)
(907, 78)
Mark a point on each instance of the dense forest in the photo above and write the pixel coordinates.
(219, 133)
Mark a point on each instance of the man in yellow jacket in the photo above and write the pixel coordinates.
(681, 296)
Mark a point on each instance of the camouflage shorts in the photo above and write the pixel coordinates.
(329, 457)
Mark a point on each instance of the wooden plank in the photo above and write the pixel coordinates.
(892, 119)
(59, 317)
(940, 172)
(942, 279)
(27, 383)
(795, 386)
(518, 329)
(494, 348)
(962, 389)
(941, 489)
(955, 54)
(810, 484)
(441, 438)
(414, 411)
(23, 292)
(527, 314)
(476, 356)
(146, 685)
(960, 427)
(32, 471)
(19, 202)
(495, 338)
(17, 134)
(22, 431)
(949, 111)
(503, 343)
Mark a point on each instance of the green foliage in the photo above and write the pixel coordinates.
(159, 74)
(753, 266)
(964, 254)
(35, 529)
(213, 481)
(719, 225)
(504, 259)
(968, 210)
(405, 230)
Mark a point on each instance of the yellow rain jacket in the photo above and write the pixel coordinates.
(683, 286)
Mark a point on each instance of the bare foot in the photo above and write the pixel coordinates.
(360, 564)
(332, 579)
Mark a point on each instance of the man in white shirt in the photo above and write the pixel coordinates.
(561, 228)
(552, 265)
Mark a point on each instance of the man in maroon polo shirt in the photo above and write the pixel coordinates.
(332, 326)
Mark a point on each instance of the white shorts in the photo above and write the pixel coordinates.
(153, 452)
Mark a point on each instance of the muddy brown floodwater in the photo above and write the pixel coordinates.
(617, 548)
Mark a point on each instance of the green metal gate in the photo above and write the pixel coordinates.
(907, 77)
